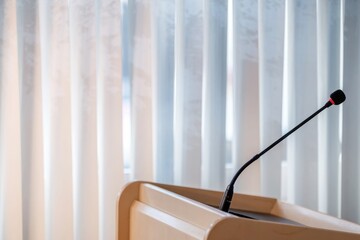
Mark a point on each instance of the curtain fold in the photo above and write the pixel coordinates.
(109, 105)
(188, 92)
(10, 126)
(245, 142)
(142, 90)
(83, 57)
(300, 74)
(32, 150)
(350, 192)
(329, 64)
(271, 71)
(214, 94)
(56, 94)
(163, 23)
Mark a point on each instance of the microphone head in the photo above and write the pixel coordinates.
(337, 97)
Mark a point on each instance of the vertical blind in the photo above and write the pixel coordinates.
(97, 93)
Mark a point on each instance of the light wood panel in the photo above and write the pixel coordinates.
(150, 211)
(150, 223)
(243, 229)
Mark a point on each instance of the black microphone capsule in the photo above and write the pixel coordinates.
(337, 97)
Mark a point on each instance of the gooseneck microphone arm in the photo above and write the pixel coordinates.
(336, 98)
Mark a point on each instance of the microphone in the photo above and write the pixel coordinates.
(336, 98)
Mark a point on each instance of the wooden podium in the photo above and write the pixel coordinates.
(165, 212)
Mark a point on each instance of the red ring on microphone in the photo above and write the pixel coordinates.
(332, 101)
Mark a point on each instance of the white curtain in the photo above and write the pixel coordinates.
(97, 93)
(60, 119)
